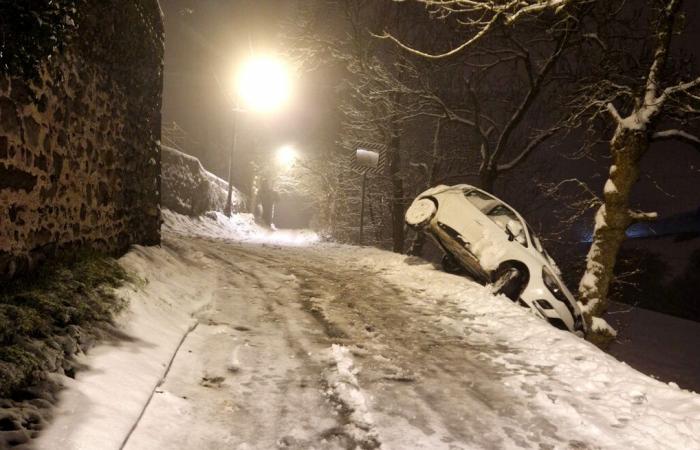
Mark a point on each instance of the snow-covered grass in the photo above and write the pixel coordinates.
(100, 405)
(550, 379)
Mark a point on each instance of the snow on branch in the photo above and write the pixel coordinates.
(613, 112)
(661, 53)
(681, 87)
(679, 135)
(486, 28)
(640, 216)
(481, 16)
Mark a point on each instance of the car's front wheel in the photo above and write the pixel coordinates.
(508, 280)
(420, 213)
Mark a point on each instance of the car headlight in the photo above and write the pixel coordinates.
(553, 285)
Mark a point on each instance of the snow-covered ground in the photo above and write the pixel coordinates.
(280, 341)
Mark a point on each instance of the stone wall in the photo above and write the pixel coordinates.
(80, 98)
(190, 189)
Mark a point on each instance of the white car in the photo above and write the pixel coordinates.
(488, 239)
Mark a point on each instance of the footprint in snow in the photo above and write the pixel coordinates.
(211, 381)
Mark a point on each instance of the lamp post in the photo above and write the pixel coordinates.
(234, 139)
(262, 85)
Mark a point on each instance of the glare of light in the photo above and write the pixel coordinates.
(286, 156)
(263, 84)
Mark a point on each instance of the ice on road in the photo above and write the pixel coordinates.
(301, 345)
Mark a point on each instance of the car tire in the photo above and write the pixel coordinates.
(450, 264)
(508, 280)
(420, 213)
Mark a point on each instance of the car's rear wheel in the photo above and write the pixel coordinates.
(508, 281)
(451, 265)
(420, 213)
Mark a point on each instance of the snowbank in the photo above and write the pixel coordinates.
(187, 188)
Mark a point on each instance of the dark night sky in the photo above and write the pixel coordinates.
(204, 37)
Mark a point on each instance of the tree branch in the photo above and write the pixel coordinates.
(640, 216)
(661, 53)
(671, 90)
(446, 54)
(613, 112)
(517, 117)
(532, 145)
(678, 135)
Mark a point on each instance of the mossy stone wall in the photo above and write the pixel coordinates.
(80, 99)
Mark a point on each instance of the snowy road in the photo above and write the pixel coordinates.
(256, 369)
(333, 347)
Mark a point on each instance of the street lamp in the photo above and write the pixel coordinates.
(286, 156)
(262, 85)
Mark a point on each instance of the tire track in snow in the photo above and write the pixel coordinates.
(416, 365)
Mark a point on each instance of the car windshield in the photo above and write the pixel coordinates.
(535, 240)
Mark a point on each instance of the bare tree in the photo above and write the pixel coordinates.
(378, 100)
(662, 107)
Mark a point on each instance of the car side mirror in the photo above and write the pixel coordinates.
(514, 230)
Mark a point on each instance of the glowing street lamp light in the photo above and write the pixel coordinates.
(286, 156)
(262, 85)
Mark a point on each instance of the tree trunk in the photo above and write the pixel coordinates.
(398, 208)
(487, 178)
(612, 219)
(416, 248)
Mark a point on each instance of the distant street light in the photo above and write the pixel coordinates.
(262, 85)
(286, 156)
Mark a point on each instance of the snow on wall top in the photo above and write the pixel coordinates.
(188, 188)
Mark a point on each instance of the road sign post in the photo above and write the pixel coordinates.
(369, 160)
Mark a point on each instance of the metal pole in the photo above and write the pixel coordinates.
(362, 205)
(227, 208)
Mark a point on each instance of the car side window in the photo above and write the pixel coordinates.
(482, 201)
(501, 215)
